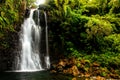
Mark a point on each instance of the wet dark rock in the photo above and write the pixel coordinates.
(7, 55)
(27, 13)
(44, 7)
(35, 17)
(39, 14)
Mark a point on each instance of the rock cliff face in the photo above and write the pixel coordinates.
(7, 55)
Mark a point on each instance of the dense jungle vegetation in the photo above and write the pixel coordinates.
(88, 26)
(88, 30)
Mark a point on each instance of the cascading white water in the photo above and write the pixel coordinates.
(30, 59)
(47, 60)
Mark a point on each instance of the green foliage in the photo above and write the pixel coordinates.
(103, 74)
(8, 16)
(109, 59)
(96, 29)
(113, 39)
(88, 30)
(62, 6)
(114, 4)
(85, 24)
(11, 16)
(30, 2)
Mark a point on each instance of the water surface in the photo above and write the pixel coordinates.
(42, 75)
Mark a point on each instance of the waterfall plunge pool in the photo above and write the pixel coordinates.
(39, 75)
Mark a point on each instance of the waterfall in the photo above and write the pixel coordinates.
(47, 52)
(34, 43)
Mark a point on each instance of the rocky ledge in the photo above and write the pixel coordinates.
(82, 68)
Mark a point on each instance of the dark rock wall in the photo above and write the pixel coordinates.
(7, 55)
